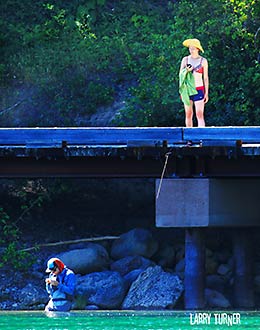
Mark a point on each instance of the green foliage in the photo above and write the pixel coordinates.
(24, 199)
(8, 231)
(16, 259)
(226, 29)
(74, 53)
(9, 238)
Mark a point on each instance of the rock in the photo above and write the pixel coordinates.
(154, 289)
(93, 258)
(224, 269)
(180, 253)
(132, 276)
(37, 275)
(91, 308)
(32, 296)
(165, 256)
(223, 256)
(216, 299)
(216, 282)
(127, 264)
(180, 267)
(104, 289)
(135, 242)
(181, 275)
(211, 265)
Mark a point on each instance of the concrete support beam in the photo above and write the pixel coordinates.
(208, 203)
(243, 276)
(194, 281)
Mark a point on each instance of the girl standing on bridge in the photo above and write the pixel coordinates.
(194, 82)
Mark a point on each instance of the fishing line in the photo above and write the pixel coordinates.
(163, 172)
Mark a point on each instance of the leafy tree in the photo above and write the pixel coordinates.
(72, 56)
(226, 29)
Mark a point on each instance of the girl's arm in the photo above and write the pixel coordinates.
(183, 63)
(206, 80)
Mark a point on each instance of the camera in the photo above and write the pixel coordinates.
(189, 66)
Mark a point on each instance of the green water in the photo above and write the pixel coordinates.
(122, 320)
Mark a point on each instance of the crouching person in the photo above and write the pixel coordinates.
(60, 286)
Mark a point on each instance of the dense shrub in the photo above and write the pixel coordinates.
(74, 54)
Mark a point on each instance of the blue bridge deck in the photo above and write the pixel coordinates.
(130, 151)
(54, 136)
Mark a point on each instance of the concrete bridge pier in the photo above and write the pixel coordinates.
(195, 204)
(194, 282)
(243, 274)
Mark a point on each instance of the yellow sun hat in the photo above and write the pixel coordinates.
(193, 43)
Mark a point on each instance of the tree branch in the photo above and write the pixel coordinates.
(11, 108)
(91, 239)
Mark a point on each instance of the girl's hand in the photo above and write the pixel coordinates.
(189, 67)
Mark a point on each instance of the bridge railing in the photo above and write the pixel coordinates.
(244, 134)
(90, 136)
(128, 136)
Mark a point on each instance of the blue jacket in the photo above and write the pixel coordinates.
(65, 290)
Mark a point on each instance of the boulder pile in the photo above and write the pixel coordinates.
(135, 272)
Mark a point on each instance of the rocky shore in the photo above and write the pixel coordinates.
(136, 271)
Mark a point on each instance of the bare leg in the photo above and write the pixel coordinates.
(199, 107)
(188, 114)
